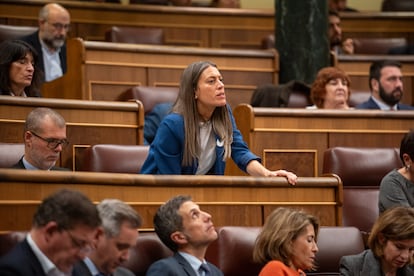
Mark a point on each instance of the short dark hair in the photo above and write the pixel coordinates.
(167, 220)
(376, 67)
(68, 208)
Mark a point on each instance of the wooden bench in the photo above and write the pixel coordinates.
(296, 139)
(196, 26)
(239, 201)
(104, 70)
(87, 122)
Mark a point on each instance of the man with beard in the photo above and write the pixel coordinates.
(335, 36)
(385, 83)
(50, 40)
(44, 139)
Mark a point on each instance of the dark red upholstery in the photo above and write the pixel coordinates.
(148, 249)
(10, 154)
(232, 252)
(397, 5)
(15, 32)
(377, 46)
(114, 158)
(361, 171)
(358, 97)
(9, 240)
(150, 95)
(333, 243)
(135, 35)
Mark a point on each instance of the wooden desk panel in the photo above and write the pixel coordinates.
(304, 130)
(231, 200)
(87, 122)
(105, 70)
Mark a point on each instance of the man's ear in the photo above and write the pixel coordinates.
(50, 229)
(179, 238)
(375, 84)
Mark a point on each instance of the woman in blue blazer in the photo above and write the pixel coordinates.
(200, 134)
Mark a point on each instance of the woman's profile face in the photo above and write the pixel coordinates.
(21, 71)
(397, 253)
(304, 249)
(210, 89)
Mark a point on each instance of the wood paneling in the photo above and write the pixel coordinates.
(304, 130)
(240, 201)
(104, 70)
(87, 122)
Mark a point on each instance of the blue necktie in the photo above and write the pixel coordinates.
(204, 269)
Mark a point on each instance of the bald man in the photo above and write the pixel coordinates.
(50, 40)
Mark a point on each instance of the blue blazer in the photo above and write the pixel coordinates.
(20, 165)
(365, 264)
(177, 266)
(21, 261)
(370, 104)
(166, 151)
(33, 39)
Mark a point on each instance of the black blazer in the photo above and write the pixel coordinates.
(80, 269)
(21, 261)
(177, 266)
(20, 165)
(370, 104)
(33, 39)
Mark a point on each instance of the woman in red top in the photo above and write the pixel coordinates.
(287, 244)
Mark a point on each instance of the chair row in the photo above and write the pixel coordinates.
(232, 251)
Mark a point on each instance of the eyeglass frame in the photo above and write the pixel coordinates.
(49, 141)
(83, 246)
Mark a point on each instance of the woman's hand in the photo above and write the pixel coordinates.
(291, 177)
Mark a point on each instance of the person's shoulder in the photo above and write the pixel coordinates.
(122, 271)
(162, 265)
(405, 107)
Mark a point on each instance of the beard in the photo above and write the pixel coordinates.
(392, 98)
(54, 43)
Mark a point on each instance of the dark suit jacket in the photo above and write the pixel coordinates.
(20, 165)
(365, 264)
(33, 39)
(20, 261)
(370, 104)
(177, 266)
(80, 269)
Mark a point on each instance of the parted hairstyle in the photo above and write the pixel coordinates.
(186, 105)
(407, 145)
(395, 224)
(68, 208)
(376, 67)
(114, 213)
(281, 227)
(318, 89)
(34, 120)
(167, 220)
(12, 51)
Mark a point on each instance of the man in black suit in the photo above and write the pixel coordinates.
(62, 233)
(187, 231)
(44, 139)
(50, 40)
(385, 83)
(113, 240)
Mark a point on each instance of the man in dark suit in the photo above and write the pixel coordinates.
(62, 233)
(113, 240)
(187, 231)
(44, 140)
(385, 83)
(50, 40)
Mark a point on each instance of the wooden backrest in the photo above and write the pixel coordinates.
(136, 35)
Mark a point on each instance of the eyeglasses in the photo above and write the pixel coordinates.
(60, 26)
(52, 143)
(83, 246)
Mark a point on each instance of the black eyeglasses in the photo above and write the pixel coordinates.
(52, 143)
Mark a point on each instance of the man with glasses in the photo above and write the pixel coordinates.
(44, 139)
(117, 235)
(50, 40)
(62, 233)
